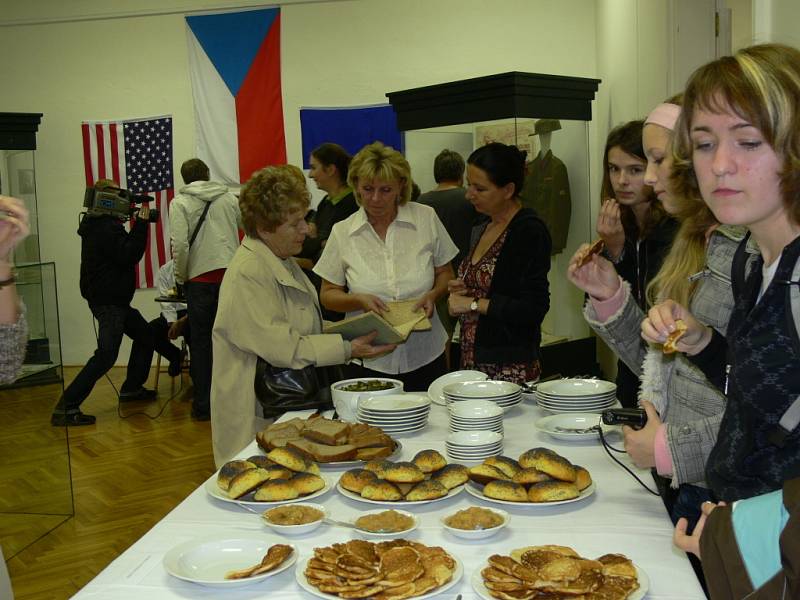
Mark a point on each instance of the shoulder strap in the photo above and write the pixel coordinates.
(199, 223)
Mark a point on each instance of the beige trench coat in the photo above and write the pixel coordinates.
(267, 308)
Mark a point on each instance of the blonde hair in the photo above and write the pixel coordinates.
(376, 161)
(687, 255)
(270, 196)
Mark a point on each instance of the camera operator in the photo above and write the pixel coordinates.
(109, 255)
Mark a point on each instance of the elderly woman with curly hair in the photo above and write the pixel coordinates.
(268, 309)
(390, 249)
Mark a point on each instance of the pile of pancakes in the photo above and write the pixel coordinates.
(386, 570)
(540, 475)
(284, 474)
(427, 477)
(558, 572)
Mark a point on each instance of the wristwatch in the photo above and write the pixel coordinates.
(473, 307)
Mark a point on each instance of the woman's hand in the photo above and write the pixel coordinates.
(691, 543)
(426, 303)
(361, 347)
(609, 227)
(598, 278)
(371, 303)
(660, 322)
(640, 443)
(459, 304)
(456, 286)
(14, 226)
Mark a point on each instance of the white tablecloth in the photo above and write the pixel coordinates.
(620, 517)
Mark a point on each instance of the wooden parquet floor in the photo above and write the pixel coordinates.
(127, 473)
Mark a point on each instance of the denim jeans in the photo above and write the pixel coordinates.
(202, 300)
(688, 502)
(112, 323)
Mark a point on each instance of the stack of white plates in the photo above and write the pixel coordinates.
(395, 413)
(476, 415)
(474, 446)
(576, 395)
(435, 390)
(502, 393)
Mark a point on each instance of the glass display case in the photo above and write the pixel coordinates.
(547, 116)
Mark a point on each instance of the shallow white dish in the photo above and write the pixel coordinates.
(481, 389)
(475, 409)
(559, 426)
(406, 429)
(206, 560)
(470, 439)
(435, 390)
(393, 418)
(579, 410)
(297, 529)
(576, 387)
(476, 491)
(391, 533)
(302, 581)
(212, 489)
(353, 496)
(392, 403)
(644, 585)
(477, 534)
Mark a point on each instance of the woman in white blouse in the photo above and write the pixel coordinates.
(390, 249)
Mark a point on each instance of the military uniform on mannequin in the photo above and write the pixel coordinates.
(546, 188)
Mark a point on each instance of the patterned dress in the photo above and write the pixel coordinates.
(478, 279)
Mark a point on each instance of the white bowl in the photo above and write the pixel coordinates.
(576, 387)
(346, 403)
(393, 403)
(476, 409)
(297, 529)
(387, 533)
(481, 389)
(474, 438)
(435, 389)
(478, 534)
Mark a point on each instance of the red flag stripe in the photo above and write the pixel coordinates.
(87, 154)
(112, 134)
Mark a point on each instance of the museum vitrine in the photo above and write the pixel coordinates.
(548, 117)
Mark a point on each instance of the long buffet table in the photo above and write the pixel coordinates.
(619, 517)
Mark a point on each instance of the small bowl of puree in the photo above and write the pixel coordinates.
(295, 519)
(475, 523)
(386, 523)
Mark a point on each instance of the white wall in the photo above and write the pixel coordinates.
(782, 18)
(334, 53)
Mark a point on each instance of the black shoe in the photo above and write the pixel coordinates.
(198, 415)
(140, 394)
(73, 419)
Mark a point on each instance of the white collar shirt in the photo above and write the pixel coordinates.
(397, 268)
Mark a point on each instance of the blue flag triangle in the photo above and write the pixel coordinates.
(232, 40)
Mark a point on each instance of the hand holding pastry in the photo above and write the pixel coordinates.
(662, 322)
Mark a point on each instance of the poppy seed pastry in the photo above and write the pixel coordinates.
(289, 458)
(278, 472)
(259, 460)
(505, 490)
(381, 490)
(549, 462)
(354, 480)
(403, 472)
(583, 480)
(552, 491)
(230, 470)
(427, 490)
(529, 476)
(452, 476)
(276, 491)
(484, 473)
(429, 461)
(307, 483)
(247, 481)
(378, 467)
(508, 466)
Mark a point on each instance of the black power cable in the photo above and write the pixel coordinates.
(608, 447)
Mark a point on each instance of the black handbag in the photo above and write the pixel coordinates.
(281, 389)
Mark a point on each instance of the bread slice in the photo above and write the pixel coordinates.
(369, 440)
(373, 453)
(325, 431)
(323, 453)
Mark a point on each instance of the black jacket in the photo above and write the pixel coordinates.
(108, 257)
(519, 296)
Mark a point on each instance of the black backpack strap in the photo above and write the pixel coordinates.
(199, 223)
(739, 267)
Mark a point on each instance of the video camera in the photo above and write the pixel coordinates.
(116, 202)
(633, 417)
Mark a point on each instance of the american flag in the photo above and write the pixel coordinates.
(137, 154)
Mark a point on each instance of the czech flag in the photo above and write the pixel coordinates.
(235, 68)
